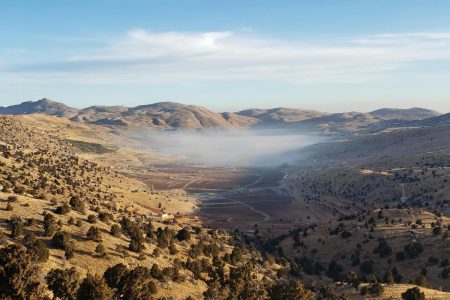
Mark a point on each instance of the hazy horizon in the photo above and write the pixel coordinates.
(221, 111)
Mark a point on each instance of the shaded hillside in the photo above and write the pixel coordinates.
(43, 106)
(441, 120)
(280, 115)
(415, 113)
(438, 120)
(401, 144)
(397, 242)
(340, 122)
(356, 121)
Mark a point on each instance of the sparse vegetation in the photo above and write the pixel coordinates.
(120, 230)
(90, 147)
(413, 294)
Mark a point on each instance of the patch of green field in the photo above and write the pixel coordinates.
(90, 147)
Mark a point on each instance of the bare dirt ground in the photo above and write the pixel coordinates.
(236, 198)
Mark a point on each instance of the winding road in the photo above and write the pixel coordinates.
(265, 216)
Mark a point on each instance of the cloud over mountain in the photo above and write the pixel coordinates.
(143, 56)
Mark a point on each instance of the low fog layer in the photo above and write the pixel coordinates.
(230, 148)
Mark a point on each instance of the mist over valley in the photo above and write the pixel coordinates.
(232, 148)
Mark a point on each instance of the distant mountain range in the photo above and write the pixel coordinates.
(169, 115)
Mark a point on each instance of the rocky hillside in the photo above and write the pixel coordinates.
(170, 115)
(388, 193)
(360, 122)
(43, 106)
(162, 115)
(390, 244)
(280, 115)
(414, 113)
(399, 145)
(441, 120)
(80, 230)
(72, 226)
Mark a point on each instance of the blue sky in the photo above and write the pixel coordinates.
(228, 55)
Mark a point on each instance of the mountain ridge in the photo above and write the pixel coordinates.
(44, 105)
(172, 115)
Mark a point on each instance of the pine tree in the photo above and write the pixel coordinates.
(63, 283)
(389, 277)
(94, 287)
(18, 274)
(49, 224)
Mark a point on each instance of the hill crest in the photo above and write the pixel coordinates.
(43, 106)
(172, 115)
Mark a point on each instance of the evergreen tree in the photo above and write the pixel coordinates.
(18, 274)
(389, 277)
(49, 224)
(94, 287)
(63, 283)
(413, 294)
(16, 227)
(94, 234)
(115, 230)
(137, 284)
(293, 290)
(115, 274)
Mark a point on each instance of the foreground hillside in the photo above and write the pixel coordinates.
(388, 192)
(81, 230)
(76, 230)
(392, 245)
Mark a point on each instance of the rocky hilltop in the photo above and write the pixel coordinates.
(43, 106)
(161, 115)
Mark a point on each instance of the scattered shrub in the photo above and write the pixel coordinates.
(63, 209)
(346, 234)
(376, 289)
(115, 230)
(16, 224)
(183, 234)
(92, 219)
(94, 234)
(413, 294)
(49, 224)
(77, 204)
(413, 249)
(100, 250)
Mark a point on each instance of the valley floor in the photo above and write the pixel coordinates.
(237, 198)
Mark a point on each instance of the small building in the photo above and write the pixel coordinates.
(166, 217)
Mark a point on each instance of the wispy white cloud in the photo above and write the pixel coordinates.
(154, 57)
